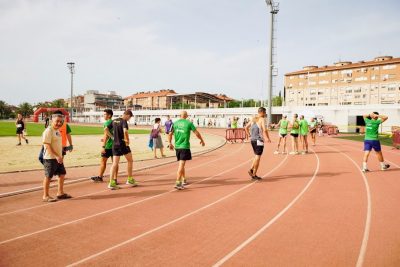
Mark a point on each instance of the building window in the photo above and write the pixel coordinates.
(322, 74)
(291, 77)
(389, 67)
(301, 76)
(335, 72)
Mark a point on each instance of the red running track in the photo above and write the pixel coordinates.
(309, 210)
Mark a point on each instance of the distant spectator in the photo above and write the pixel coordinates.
(156, 135)
(20, 124)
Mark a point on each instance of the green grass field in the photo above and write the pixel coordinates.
(385, 140)
(7, 128)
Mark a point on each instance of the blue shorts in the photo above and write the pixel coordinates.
(372, 144)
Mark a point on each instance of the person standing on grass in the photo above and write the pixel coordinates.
(107, 143)
(53, 162)
(371, 139)
(256, 129)
(181, 131)
(168, 126)
(283, 125)
(120, 148)
(303, 124)
(157, 140)
(294, 125)
(313, 130)
(46, 121)
(20, 124)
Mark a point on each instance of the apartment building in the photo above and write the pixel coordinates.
(345, 83)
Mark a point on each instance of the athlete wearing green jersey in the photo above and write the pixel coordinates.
(107, 143)
(313, 130)
(294, 132)
(303, 124)
(371, 140)
(181, 130)
(283, 125)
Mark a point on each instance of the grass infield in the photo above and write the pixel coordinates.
(385, 140)
(7, 128)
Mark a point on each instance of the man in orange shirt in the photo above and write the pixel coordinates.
(65, 132)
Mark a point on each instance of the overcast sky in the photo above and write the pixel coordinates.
(217, 46)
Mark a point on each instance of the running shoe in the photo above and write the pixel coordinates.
(293, 153)
(179, 186)
(384, 168)
(364, 170)
(26, 141)
(185, 182)
(97, 179)
(131, 182)
(276, 152)
(255, 177)
(113, 185)
(18, 144)
(250, 172)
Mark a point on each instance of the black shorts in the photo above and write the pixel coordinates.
(52, 168)
(313, 131)
(258, 150)
(294, 134)
(109, 153)
(121, 150)
(183, 154)
(282, 135)
(20, 130)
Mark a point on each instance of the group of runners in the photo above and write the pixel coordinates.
(57, 141)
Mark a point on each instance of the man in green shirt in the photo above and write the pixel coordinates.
(283, 125)
(371, 140)
(313, 130)
(303, 124)
(294, 132)
(181, 130)
(107, 143)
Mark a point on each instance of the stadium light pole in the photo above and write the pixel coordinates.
(274, 8)
(71, 66)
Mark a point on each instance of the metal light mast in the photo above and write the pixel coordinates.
(274, 8)
(71, 66)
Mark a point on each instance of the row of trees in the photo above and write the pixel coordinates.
(276, 102)
(26, 109)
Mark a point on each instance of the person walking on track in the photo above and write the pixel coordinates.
(371, 140)
(65, 132)
(303, 124)
(181, 131)
(157, 140)
(53, 159)
(120, 148)
(313, 130)
(294, 125)
(168, 126)
(107, 143)
(256, 129)
(20, 124)
(283, 125)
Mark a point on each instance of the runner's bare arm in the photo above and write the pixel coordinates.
(197, 133)
(383, 117)
(265, 130)
(108, 133)
(69, 137)
(247, 128)
(171, 146)
(126, 136)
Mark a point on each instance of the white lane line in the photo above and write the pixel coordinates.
(102, 191)
(364, 243)
(116, 208)
(272, 221)
(174, 221)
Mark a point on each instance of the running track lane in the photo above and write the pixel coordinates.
(89, 234)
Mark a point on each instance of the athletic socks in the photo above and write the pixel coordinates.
(383, 164)
(364, 165)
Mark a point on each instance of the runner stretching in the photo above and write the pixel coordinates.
(294, 125)
(20, 124)
(303, 124)
(256, 130)
(371, 140)
(313, 130)
(120, 148)
(107, 143)
(283, 129)
(181, 130)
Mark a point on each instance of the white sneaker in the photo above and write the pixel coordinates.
(293, 153)
(276, 152)
(364, 170)
(384, 168)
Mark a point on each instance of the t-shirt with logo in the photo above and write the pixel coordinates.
(118, 126)
(109, 142)
(372, 128)
(283, 126)
(53, 138)
(168, 126)
(182, 129)
(303, 127)
(312, 124)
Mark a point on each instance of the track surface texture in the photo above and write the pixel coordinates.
(317, 209)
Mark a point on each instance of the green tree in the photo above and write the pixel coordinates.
(25, 109)
(277, 101)
(58, 103)
(5, 110)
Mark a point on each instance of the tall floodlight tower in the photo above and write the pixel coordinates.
(273, 71)
(71, 66)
